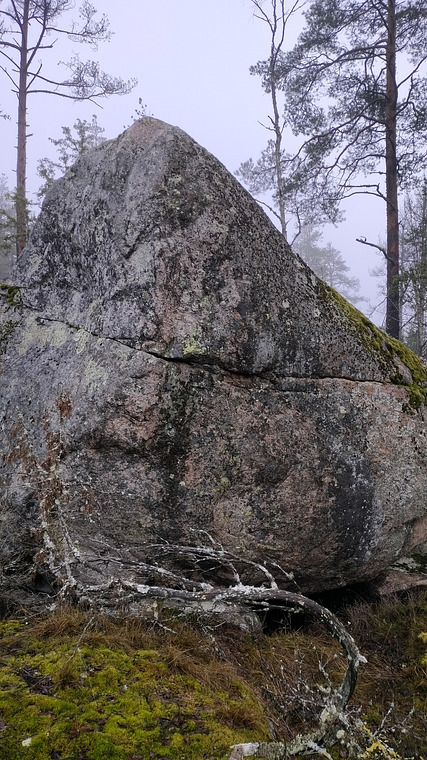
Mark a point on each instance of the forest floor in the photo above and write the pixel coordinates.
(80, 686)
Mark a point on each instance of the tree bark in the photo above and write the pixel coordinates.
(393, 305)
(21, 164)
(278, 158)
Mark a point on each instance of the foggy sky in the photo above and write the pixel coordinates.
(191, 59)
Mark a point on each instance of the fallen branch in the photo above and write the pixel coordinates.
(255, 596)
(203, 597)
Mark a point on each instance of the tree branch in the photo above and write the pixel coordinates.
(373, 245)
(204, 595)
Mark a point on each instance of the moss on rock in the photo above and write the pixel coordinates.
(396, 359)
(12, 295)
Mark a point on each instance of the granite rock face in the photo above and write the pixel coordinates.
(171, 369)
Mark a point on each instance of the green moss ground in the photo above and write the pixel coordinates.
(86, 697)
(79, 687)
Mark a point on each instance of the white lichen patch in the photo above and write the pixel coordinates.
(81, 339)
(95, 376)
(42, 333)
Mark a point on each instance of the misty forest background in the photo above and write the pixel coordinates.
(348, 116)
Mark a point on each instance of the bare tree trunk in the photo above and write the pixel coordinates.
(421, 315)
(276, 117)
(276, 22)
(393, 309)
(277, 158)
(21, 164)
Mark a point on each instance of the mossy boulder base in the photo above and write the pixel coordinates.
(171, 369)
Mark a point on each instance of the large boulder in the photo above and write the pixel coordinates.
(173, 374)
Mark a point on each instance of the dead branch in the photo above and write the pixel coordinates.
(267, 598)
(205, 596)
(374, 245)
(130, 586)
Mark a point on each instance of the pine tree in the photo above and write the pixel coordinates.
(414, 271)
(75, 140)
(28, 30)
(363, 129)
(327, 262)
(269, 172)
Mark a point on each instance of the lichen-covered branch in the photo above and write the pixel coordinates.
(206, 597)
